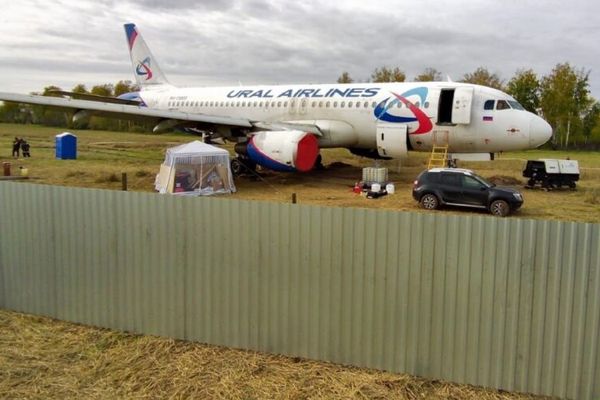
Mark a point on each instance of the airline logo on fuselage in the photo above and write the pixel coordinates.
(143, 68)
(382, 111)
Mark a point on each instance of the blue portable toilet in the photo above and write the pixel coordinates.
(66, 146)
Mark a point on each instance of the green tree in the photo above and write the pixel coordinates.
(525, 88)
(385, 74)
(429, 75)
(48, 115)
(100, 123)
(565, 101)
(106, 90)
(481, 76)
(16, 113)
(123, 87)
(79, 88)
(345, 78)
(590, 122)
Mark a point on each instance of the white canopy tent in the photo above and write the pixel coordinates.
(195, 168)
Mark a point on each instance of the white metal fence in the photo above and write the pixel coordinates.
(505, 303)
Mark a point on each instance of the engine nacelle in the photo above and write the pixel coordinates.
(284, 150)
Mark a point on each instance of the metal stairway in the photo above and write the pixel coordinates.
(438, 157)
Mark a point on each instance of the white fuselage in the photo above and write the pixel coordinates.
(349, 115)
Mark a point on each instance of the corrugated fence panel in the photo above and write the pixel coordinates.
(505, 303)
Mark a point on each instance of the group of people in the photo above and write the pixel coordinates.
(20, 144)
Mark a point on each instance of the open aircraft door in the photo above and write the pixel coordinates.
(463, 100)
(392, 140)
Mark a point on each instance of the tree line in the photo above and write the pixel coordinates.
(36, 114)
(562, 97)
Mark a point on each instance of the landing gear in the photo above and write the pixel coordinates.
(242, 165)
(319, 163)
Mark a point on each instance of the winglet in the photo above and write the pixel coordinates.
(145, 67)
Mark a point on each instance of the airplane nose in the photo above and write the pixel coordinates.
(539, 131)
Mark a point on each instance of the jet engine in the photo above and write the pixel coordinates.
(281, 150)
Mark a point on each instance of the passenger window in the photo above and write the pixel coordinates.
(278, 104)
(366, 104)
(320, 104)
(374, 104)
(426, 104)
(488, 105)
(327, 105)
(471, 183)
(417, 104)
(342, 104)
(349, 104)
(432, 178)
(335, 104)
(451, 179)
(502, 105)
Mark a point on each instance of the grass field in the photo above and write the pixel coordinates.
(43, 358)
(103, 156)
(46, 359)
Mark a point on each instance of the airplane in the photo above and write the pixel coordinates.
(283, 127)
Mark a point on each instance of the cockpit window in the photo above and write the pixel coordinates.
(515, 105)
(488, 105)
(502, 105)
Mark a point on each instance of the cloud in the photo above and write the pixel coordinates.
(268, 41)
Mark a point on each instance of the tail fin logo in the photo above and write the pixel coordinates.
(143, 68)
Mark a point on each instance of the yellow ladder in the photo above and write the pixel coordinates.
(438, 157)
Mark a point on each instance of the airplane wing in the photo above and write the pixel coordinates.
(94, 97)
(163, 119)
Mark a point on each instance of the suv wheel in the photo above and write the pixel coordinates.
(429, 201)
(499, 208)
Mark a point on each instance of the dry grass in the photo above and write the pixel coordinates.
(104, 156)
(44, 358)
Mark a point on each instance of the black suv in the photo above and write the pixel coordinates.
(462, 187)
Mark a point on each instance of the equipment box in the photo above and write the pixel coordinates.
(551, 174)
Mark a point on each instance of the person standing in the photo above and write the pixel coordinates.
(16, 147)
(25, 148)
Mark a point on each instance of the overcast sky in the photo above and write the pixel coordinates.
(225, 42)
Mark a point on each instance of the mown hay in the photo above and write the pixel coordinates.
(44, 358)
